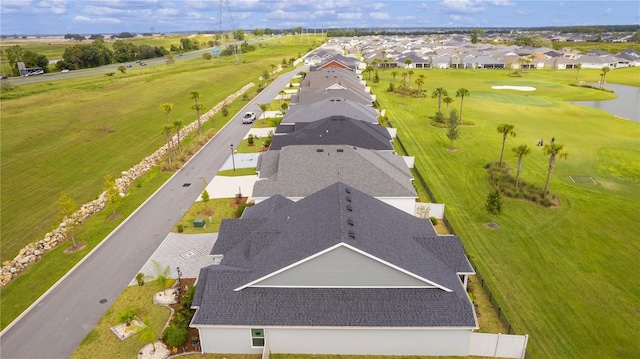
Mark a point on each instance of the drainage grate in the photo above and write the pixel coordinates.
(186, 185)
(102, 301)
(583, 179)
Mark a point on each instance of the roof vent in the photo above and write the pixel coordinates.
(339, 150)
(348, 198)
(319, 150)
(347, 189)
(350, 221)
(352, 234)
(349, 208)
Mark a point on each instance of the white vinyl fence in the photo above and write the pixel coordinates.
(497, 345)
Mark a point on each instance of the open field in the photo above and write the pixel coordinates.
(563, 274)
(65, 136)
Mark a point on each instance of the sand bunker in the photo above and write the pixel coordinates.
(517, 88)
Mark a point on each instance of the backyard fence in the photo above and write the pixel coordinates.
(479, 276)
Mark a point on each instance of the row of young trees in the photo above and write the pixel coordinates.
(170, 126)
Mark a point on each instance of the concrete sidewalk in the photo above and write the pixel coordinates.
(190, 252)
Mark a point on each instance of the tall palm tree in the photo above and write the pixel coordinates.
(419, 82)
(368, 69)
(552, 150)
(462, 92)
(394, 74)
(407, 63)
(264, 107)
(578, 67)
(178, 126)
(195, 95)
(410, 72)
(167, 132)
(520, 152)
(439, 93)
(603, 75)
(505, 129)
(404, 77)
(447, 100)
(167, 108)
(282, 93)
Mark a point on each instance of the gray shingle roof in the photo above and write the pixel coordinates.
(336, 130)
(310, 95)
(320, 221)
(330, 107)
(377, 174)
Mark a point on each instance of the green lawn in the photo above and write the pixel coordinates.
(89, 128)
(102, 343)
(561, 274)
(65, 136)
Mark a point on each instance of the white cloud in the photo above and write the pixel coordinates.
(283, 15)
(347, 16)
(101, 10)
(499, 2)
(461, 6)
(379, 15)
(168, 12)
(106, 20)
(609, 11)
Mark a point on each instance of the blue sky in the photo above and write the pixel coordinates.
(113, 16)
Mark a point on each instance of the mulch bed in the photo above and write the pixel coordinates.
(192, 334)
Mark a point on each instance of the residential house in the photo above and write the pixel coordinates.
(337, 272)
(334, 130)
(296, 172)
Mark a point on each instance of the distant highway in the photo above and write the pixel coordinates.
(52, 76)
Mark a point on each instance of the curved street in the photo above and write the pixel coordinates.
(56, 324)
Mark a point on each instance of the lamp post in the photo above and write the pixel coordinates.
(233, 160)
(179, 283)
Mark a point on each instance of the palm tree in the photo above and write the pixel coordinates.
(407, 63)
(178, 126)
(369, 70)
(439, 93)
(167, 108)
(447, 100)
(264, 107)
(603, 75)
(410, 72)
(195, 95)
(394, 74)
(419, 82)
(404, 77)
(552, 150)
(462, 92)
(273, 68)
(506, 130)
(520, 152)
(282, 93)
(578, 67)
(167, 131)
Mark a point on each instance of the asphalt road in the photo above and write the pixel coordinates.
(56, 325)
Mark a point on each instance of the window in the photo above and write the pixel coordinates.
(257, 338)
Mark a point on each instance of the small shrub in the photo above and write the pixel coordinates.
(175, 335)
(109, 74)
(205, 196)
(128, 315)
(250, 140)
(225, 110)
(180, 228)
(140, 279)
(433, 220)
(245, 96)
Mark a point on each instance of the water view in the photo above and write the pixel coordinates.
(626, 106)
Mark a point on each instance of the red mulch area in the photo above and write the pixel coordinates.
(193, 341)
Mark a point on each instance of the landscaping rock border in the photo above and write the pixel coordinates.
(33, 252)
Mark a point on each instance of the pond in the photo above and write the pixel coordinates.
(626, 105)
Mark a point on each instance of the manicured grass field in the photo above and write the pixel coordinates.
(563, 275)
(66, 136)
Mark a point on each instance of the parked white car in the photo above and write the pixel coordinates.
(64, 70)
(249, 117)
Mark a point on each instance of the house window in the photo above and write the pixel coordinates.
(257, 338)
